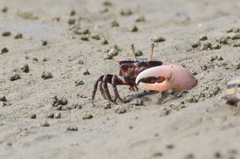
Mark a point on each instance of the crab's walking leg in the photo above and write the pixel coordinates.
(106, 79)
(95, 88)
(102, 90)
(116, 81)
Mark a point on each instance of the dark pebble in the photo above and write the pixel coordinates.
(130, 127)
(50, 115)
(220, 64)
(86, 115)
(71, 21)
(126, 12)
(80, 62)
(139, 53)
(4, 104)
(206, 46)
(220, 58)
(56, 19)
(236, 65)
(114, 24)
(223, 40)
(170, 146)
(235, 36)
(5, 9)
(72, 128)
(4, 50)
(72, 13)
(32, 116)
(236, 45)
(104, 10)
(191, 100)
(134, 29)
(96, 37)
(235, 30)
(9, 144)
(107, 105)
(18, 36)
(57, 115)
(204, 67)
(213, 58)
(69, 107)
(86, 72)
(44, 43)
(78, 82)
(59, 101)
(140, 19)
(189, 156)
(113, 52)
(46, 75)
(216, 46)
(44, 59)
(35, 59)
(195, 44)
(120, 110)
(84, 38)
(15, 76)
(107, 3)
(164, 112)
(158, 154)
(218, 155)
(59, 107)
(85, 31)
(137, 102)
(104, 42)
(44, 124)
(6, 33)
(229, 30)
(158, 39)
(203, 38)
(25, 68)
(76, 106)
(3, 99)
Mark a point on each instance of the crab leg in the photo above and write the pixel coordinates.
(105, 87)
(95, 88)
(115, 81)
(163, 78)
(102, 90)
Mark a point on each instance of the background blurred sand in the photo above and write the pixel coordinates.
(192, 124)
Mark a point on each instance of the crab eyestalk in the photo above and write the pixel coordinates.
(151, 53)
(133, 49)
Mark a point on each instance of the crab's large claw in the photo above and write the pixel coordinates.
(165, 77)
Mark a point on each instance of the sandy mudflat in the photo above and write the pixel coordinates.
(62, 44)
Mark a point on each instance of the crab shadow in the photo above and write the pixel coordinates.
(162, 97)
(143, 95)
(168, 96)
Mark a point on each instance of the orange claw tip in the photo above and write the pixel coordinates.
(165, 77)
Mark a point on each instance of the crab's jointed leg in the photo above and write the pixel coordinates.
(102, 82)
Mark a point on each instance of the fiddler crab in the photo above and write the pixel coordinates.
(147, 73)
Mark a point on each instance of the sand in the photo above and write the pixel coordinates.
(46, 111)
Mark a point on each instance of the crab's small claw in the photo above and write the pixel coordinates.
(165, 77)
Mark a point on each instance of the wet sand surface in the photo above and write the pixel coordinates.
(52, 53)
